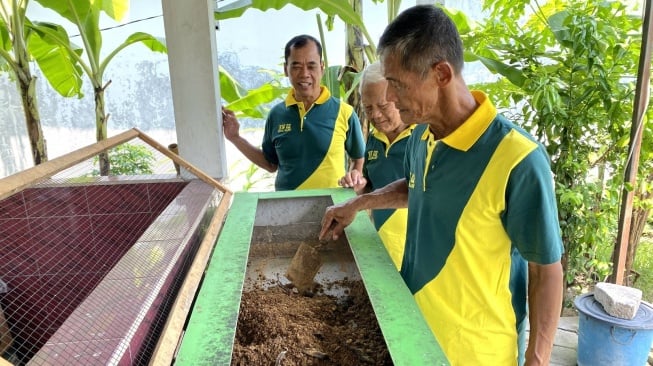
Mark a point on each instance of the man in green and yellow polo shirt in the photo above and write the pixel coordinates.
(483, 244)
(309, 138)
(384, 158)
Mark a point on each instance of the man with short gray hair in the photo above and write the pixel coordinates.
(483, 245)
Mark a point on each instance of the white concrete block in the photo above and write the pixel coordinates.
(619, 301)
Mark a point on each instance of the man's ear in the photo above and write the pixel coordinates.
(443, 72)
(285, 69)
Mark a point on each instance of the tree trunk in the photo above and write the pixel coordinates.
(355, 61)
(27, 89)
(101, 120)
(27, 86)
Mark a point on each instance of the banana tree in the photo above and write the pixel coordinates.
(332, 8)
(249, 103)
(13, 49)
(349, 11)
(393, 8)
(344, 9)
(19, 45)
(355, 60)
(85, 15)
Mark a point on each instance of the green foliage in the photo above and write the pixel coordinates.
(252, 174)
(19, 37)
(340, 8)
(85, 15)
(249, 103)
(644, 265)
(393, 8)
(568, 73)
(230, 88)
(46, 45)
(128, 159)
(333, 8)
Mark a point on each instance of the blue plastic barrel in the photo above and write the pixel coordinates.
(607, 340)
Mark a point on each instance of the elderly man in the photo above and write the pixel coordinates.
(483, 248)
(309, 137)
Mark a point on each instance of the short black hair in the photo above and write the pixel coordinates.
(299, 42)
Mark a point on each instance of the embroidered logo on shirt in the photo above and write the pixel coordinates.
(411, 183)
(285, 127)
(372, 155)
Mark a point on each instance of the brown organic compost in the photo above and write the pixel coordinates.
(281, 326)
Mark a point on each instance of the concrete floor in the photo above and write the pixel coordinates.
(566, 342)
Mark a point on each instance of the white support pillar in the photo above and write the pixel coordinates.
(192, 58)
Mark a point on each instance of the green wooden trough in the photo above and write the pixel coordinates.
(256, 244)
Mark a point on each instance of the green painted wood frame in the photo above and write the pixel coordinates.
(209, 335)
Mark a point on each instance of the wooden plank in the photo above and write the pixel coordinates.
(565, 342)
(179, 160)
(166, 348)
(19, 181)
(622, 244)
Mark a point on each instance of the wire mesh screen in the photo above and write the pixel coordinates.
(92, 256)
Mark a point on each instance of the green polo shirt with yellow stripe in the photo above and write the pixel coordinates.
(481, 203)
(310, 147)
(384, 164)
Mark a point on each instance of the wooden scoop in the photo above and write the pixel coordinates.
(304, 266)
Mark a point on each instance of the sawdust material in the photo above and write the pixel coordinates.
(279, 326)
